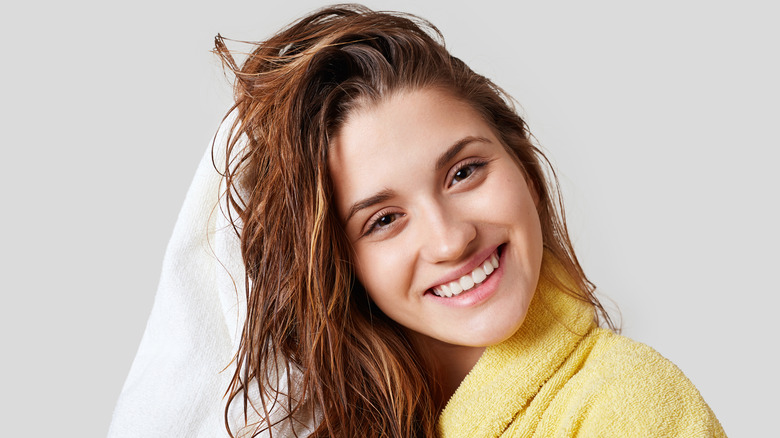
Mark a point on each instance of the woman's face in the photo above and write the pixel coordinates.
(446, 235)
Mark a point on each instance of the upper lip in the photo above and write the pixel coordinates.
(476, 260)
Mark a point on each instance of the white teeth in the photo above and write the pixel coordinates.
(468, 281)
(478, 275)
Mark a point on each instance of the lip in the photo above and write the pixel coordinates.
(476, 295)
(477, 260)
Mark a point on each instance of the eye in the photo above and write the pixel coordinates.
(463, 173)
(385, 220)
(465, 170)
(381, 222)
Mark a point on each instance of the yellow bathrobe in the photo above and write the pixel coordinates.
(556, 380)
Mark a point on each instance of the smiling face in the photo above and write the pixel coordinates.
(446, 236)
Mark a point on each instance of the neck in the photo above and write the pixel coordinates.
(450, 364)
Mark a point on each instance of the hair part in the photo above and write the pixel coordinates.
(304, 305)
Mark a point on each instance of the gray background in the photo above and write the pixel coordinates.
(661, 118)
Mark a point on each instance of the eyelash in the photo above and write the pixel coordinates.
(475, 164)
(374, 226)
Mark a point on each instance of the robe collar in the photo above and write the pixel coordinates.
(508, 375)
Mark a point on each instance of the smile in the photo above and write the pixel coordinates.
(468, 281)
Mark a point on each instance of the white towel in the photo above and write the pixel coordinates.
(178, 379)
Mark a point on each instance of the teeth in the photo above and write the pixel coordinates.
(479, 275)
(468, 281)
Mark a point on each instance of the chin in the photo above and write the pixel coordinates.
(494, 331)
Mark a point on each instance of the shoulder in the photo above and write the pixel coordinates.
(622, 360)
(631, 389)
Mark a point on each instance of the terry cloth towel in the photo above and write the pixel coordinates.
(177, 383)
(561, 376)
(181, 371)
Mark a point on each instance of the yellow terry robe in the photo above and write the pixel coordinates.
(561, 376)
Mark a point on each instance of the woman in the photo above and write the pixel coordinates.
(408, 267)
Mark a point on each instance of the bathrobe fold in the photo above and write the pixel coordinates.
(561, 376)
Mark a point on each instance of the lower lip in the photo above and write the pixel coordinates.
(477, 294)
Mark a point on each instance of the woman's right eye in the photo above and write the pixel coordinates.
(382, 222)
(385, 220)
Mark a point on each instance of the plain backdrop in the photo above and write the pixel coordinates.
(661, 118)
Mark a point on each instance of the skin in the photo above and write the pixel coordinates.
(426, 191)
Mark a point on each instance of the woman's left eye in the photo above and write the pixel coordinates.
(465, 171)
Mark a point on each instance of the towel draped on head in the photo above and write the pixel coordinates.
(183, 366)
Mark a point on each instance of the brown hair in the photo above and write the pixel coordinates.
(305, 306)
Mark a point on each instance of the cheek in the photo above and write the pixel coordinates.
(509, 199)
(382, 270)
(514, 205)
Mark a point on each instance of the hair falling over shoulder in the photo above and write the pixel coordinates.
(305, 309)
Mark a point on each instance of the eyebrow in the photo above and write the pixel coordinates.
(450, 153)
(442, 161)
(382, 196)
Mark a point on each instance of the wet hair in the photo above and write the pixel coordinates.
(305, 308)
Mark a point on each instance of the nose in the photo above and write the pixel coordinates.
(445, 233)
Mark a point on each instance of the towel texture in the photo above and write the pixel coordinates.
(561, 376)
(176, 383)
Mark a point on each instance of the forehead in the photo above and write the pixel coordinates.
(394, 144)
(430, 108)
